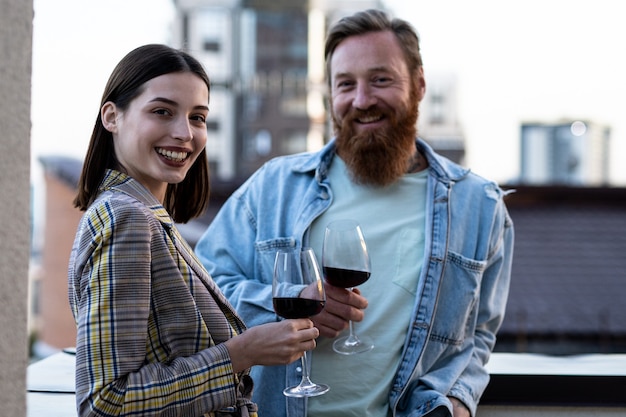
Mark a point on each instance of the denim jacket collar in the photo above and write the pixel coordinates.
(442, 168)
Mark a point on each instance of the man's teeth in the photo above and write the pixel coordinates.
(173, 155)
(369, 119)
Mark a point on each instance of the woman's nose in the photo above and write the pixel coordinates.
(183, 130)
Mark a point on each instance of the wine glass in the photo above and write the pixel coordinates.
(346, 264)
(295, 270)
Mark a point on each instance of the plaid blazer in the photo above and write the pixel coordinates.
(150, 320)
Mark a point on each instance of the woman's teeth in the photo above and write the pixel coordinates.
(173, 155)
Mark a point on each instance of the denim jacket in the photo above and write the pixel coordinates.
(462, 292)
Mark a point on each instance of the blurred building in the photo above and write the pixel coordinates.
(266, 63)
(438, 122)
(570, 152)
(52, 325)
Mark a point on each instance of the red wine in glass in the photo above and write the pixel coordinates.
(345, 278)
(297, 308)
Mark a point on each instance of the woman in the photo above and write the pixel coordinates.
(155, 334)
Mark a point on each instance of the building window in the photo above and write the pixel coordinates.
(437, 109)
(211, 46)
(212, 125)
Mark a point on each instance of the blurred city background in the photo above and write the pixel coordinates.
(529, 94)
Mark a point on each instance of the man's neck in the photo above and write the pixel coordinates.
(416, 163)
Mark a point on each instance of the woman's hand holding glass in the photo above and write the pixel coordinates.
(272, 344)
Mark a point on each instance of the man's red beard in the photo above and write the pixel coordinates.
(377, 157)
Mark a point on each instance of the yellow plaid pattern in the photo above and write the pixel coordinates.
(150, 319)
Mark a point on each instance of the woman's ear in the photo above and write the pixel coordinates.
(108, 114)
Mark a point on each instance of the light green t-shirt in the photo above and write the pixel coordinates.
(392, 219)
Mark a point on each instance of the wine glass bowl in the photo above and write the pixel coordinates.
(298, 292)
(346, 264)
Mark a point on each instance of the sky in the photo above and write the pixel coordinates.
(514, 62)
(76, 45)
(532, 60)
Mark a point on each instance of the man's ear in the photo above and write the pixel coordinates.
(108, 114)
(421, 85)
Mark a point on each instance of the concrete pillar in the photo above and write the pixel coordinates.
(16, 29)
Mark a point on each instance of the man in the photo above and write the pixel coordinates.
(439, 237)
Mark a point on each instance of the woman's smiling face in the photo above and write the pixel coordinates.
(161, 133)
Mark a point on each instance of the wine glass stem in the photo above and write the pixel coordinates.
(352, 337)
(306, 381)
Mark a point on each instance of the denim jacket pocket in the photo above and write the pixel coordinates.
(456, 311)
(266, 254)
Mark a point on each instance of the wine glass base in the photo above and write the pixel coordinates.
(300, 391)
(351, 345)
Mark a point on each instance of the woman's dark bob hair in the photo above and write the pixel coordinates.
(183, 201)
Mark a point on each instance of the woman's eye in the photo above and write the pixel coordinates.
(162, 112)
(199, 118)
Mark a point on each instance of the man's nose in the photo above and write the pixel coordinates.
(364, 97)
